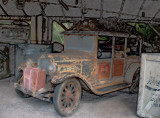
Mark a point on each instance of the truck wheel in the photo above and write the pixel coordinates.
(135, 82)
(20, 93)
(67, 96)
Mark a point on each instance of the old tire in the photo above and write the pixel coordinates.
(20, 93)
(135, 82)
(67, 96)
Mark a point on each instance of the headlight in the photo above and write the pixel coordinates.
(30, 63)
(52, 68)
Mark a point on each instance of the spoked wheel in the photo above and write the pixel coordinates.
(135, 82)
(18, 80)
(67, 96)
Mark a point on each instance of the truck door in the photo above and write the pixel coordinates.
(104, 56)
(119, 57)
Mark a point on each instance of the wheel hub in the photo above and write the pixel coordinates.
(68, 94)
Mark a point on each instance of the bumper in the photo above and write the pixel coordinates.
(41, 96)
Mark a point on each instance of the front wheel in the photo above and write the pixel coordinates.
(67, 96)
(135, 82)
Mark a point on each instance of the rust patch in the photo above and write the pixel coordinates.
(103, 70)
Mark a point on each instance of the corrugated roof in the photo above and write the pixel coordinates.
(129, 10)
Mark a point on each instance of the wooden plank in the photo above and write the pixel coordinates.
(118, 67)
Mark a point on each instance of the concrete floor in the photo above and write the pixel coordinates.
(114, 105)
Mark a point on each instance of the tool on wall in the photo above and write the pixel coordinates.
(65, 5)
(4, 2)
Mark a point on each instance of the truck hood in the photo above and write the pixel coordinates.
(74, 54)
(66, 57)
(71, 55)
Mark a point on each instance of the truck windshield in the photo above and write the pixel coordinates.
(79, 42)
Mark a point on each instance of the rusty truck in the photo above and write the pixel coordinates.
(99, 62)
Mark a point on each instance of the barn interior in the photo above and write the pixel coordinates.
(30, 29)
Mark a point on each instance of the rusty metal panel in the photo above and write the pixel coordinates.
(149, 92)
(104, 69)
(118, 67)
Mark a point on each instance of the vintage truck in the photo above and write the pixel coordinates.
(99, 62)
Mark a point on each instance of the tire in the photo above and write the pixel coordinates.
(20, 93)
(67, 97)
(135, 82)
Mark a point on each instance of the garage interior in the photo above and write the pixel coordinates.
(32, 30)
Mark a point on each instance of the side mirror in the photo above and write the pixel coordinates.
(57, 47)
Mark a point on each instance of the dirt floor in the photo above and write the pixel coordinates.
(114, 105)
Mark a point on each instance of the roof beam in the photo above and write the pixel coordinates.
(140, 9)
(121, 9)
(63, 26)
(101, 10)
(24, 12)
(155, 14)
(151, 26)
(4, 10)
(82, 9)
(43, 6)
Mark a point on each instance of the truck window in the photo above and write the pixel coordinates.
(133, 46)
(79, 42)
(119, 47)
(104, 47)
(57, 30)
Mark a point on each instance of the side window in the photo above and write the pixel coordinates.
(132, 47)
(119, 47)
(104, 47)
(57, 29)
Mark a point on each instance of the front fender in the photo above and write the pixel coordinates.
(131, 71)
(57, 79)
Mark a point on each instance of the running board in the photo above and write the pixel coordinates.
(110, 89)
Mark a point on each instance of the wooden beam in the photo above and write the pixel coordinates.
(155, 14)
(154, 29)
(140, 9)
(4, 10)
(101, 10)
(63, 26)
(121, 9)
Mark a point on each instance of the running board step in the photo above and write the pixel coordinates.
(113, 88)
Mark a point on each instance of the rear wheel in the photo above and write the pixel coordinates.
(135, 82)
(18, 80)
(67, 96)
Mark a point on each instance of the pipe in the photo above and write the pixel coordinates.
(154, 29)
(76, 2)
(63, 4)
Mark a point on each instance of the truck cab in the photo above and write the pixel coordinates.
(100, 62)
